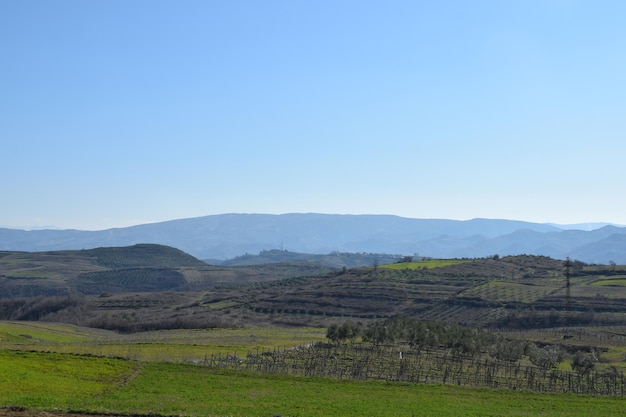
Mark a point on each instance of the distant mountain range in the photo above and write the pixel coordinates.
(225, 236)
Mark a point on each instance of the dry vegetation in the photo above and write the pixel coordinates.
(129, 292)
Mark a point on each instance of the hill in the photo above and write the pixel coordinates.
(336, 260)
(227, 236)
(509, 292)
(137, 268)
(141, 255)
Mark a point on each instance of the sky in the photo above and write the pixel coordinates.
(115, 113)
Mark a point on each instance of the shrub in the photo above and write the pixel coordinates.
(584, 362)
(546, 357)
(508, 350)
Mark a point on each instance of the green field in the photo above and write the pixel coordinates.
(611, 282)
(164, 345)
(33, 333)
(47, 366)
(50, 381)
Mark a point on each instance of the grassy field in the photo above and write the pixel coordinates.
(194, 390)
(164, 345)
(50, 381)
(616, 282)
(32, 333)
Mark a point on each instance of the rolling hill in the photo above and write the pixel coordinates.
(517, 291)
(137, 268)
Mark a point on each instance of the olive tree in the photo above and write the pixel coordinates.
(584, 362)
(545, 358)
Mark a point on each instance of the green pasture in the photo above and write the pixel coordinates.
(163, 345)
(200, 391)
(620, 282)
(32, 333)
(268, 337)
(51, 381)
(11, 258)
(428, 264)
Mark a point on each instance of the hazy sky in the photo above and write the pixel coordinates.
(115, 113)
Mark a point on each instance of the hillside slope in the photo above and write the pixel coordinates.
(504, 292)
(137, 268)
(510, 292)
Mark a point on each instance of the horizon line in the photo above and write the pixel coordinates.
(588, 225)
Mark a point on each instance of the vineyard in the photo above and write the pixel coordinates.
(436, 353)
(394, 363)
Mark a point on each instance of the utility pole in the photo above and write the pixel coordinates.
(568, 265)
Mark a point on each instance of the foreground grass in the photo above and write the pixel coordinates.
(235, 394)
(52, 380)
(49, 381)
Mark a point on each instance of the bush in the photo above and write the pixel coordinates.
(546, 357)
(346, 331)
(584, 362)
(508, 350)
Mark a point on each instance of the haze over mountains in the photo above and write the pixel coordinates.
(229, 235)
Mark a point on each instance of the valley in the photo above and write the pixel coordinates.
(157, 311)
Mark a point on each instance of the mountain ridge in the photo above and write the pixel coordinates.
(226, 236)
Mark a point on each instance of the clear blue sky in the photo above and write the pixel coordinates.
(115, 113)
